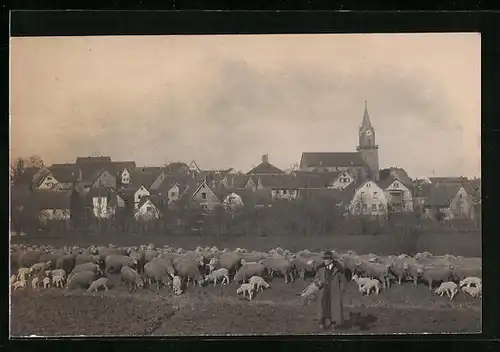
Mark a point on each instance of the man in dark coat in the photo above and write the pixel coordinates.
(331, 279)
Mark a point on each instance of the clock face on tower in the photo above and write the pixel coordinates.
(368, 133)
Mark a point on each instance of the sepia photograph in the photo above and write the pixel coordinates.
(232, 185)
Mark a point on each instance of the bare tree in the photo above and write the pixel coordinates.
(35, 161)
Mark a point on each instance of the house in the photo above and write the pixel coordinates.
(172, 188)
(65, 175)
(365, 198)
(341, 180)
(139, 194)
(398, 195)
(265, 168)
(206, 196)
(235, 180)
(147, 210)
(103, 202)
(281, 186)
(362, 164)
(101, 178)
(399, 173)
(52, 205)
(252, 183)
(451, 200)
(146, 176)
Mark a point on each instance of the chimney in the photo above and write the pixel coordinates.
(265, 159)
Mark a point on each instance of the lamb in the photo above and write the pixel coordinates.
(221, 273)
(361, 281)
(18, 284)
(81, 279)
(58, 280)
(245, 289)
(248, 270)
(46, 282)
(371, 284)
(375, 270)
(448, 287)
(471, 281)
(177, 285)
(23, 273)
(58, 272)
(474, 292)
(97, 284)
(35, 283)
(131, 278)
(258, 283)
(279, 264)
(438, 274)
(36, 268)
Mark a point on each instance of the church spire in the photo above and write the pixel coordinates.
(366, 124)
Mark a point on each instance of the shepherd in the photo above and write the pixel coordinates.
(331, 279)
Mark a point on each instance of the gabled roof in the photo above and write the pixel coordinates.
(144, 176)
(441, 195)
(154, 201)
(64, 173)
(119, 166)
(448, 180)
(237, 180)
(265, 168)
(384, 184)
(350, 159)
(52, 200)
(211, 175)
(92, 160)
(473, 188)
(177, 167)
(396, 172)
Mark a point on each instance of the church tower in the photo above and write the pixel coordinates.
(367, 148)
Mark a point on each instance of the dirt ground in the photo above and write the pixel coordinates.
(219, 311)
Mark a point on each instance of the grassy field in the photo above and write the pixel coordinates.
(219, 311)
(464, 244)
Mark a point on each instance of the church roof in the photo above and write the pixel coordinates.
(366, 124)
(349, 159)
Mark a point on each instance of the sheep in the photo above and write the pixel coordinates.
(188, 270)
(46, 282)
(361, 281)
(23, 273)
(114, 263)
(279, 264)
(131, 278)
(231, 261)
(221, 273)
(438, 274)
(474, 292)
(371, 284)
(82, 279)
(18, 284)
(27, 259)
(85, 267)
(214, 264)
(66, 262)
(399, 268)
(35, 268)
(471, 280)
(35, 283)
(245, 289)
(59, 272)
(448, 287)
(376, 271)
(156, 271)
(258, 283)
(247, 271)
(58, 280)
(177, 285)
(303, 266)
(97, 284)
(82, 258)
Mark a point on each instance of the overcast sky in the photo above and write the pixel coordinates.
(225, 100)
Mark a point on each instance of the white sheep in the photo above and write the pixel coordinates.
(221, 273)
(46, 282)
(371, 284)
(58, 280)
(35, 283)
(176, 285)
(19, 283)
(448, 287)
(23, 273)
(97, 284)
(470, 280)
(361, 281)
(245, 288)
(258, 283)
(474, 292)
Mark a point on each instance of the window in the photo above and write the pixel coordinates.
(396, 185)
(365, 207)
(172, 194)
(381, 207)
(204, 195)
(139, 196)
(375, 194)
(204, 206)
(374, 207)
(149, 209)
(368, 184)
(284, 191)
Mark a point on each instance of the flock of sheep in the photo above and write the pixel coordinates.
(103, 267)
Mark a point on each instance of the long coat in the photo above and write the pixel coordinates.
(330, 297)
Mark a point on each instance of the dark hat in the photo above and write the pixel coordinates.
(328, 255)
